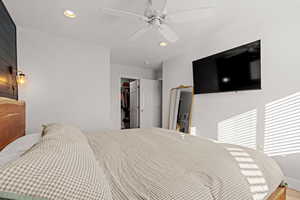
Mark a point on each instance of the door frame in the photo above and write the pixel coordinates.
(119, 94)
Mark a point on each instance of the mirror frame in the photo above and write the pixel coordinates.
(192, 103)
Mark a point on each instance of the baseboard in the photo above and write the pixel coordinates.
(293, 183)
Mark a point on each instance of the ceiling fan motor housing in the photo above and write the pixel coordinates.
(156, 21)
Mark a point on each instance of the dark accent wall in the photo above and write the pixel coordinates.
(8, 55)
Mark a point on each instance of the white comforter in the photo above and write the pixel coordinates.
(158, 164)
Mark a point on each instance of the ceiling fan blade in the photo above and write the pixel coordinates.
(149, 9)
(139, 33)
(190, 15)
(165, 8)
(168, 33)
(122, 13)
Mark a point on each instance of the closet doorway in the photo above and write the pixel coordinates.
(130, 103)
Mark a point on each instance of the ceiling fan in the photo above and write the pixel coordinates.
(159, 20)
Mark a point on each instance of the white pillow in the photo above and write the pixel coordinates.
(61, 166)
(4, 159)
(15, 149)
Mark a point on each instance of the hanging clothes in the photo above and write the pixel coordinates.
(125, 105)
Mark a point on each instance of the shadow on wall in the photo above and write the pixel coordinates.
(240, 129)
(282, 127)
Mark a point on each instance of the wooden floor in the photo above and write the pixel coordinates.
(293, 195)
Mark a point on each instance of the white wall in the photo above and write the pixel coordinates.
(68, 81)
(118, 72)
(277, 25)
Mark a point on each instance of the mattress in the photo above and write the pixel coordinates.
(159, 164)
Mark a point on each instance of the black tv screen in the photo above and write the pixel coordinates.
(233, 70)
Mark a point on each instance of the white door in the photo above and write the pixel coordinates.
(134, 104)
(151, 101)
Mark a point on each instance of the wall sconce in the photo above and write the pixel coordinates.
(21, 78)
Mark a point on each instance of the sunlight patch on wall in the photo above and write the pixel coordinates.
(239, 130)
(282, 126)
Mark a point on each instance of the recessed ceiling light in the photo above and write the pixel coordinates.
(70, 13)
(163, 44)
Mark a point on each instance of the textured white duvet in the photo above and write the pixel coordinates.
(158, 164)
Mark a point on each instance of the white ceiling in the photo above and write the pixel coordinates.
(113, 32)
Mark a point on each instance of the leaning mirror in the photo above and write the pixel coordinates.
(180, 112)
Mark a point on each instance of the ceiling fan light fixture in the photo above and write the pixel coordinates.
(70, 14)
(163, 44)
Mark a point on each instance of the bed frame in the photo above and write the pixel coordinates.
(279, 194)
(12, 126)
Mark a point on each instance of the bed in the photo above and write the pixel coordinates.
(136, 168)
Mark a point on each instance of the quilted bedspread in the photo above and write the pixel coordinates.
(158, 164)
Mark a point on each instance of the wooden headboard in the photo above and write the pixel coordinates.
(12, 121)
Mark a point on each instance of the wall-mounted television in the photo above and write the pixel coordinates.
(233, 70)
